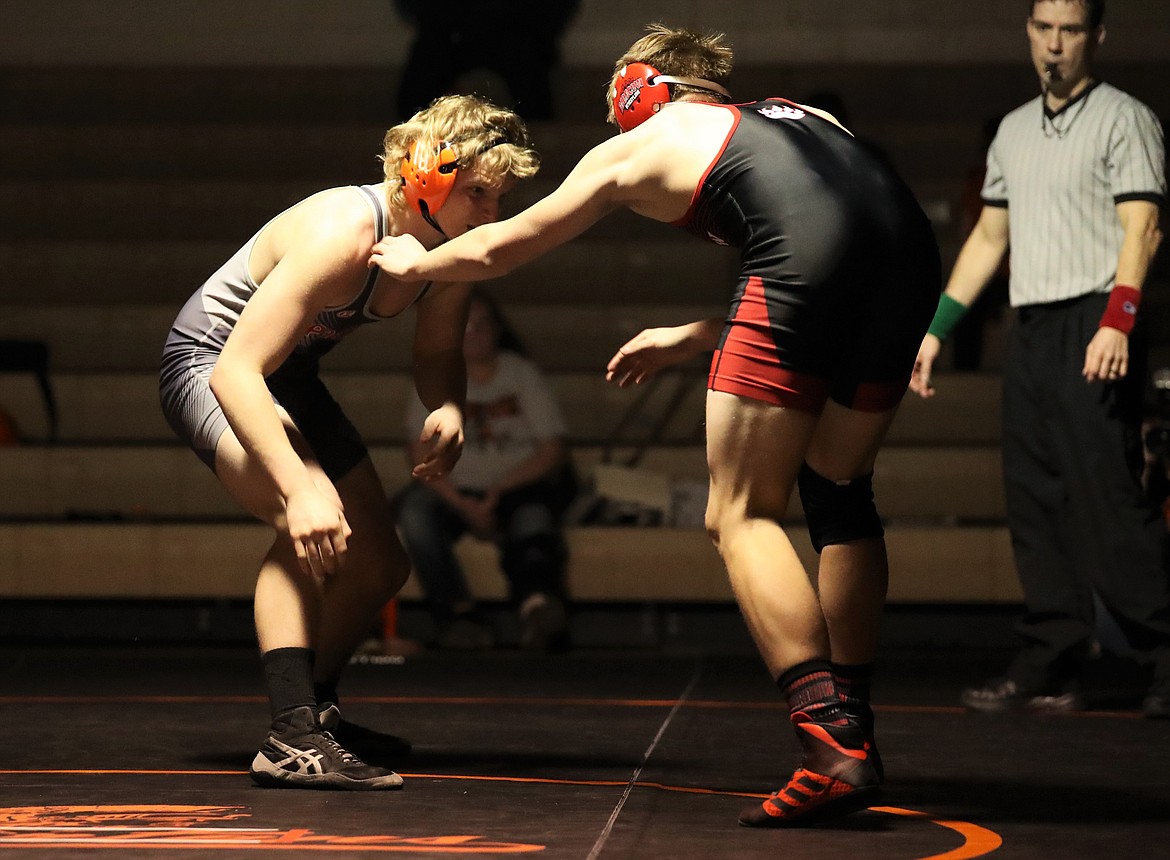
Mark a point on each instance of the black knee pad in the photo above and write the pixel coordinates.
(838, 513)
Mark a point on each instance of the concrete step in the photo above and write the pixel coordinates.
(257, 149)
(571, 335)
(151, 561)
(80, 95)
(167, 482)
(666, 270)
(185, 209)
(328, 153)
(123, 407)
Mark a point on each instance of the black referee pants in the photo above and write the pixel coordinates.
(1079, 520)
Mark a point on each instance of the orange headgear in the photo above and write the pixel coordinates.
(428, 175)
(640, 91)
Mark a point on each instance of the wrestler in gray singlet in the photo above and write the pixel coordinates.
(201, 329)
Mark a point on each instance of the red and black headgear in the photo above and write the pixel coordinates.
(640, 91)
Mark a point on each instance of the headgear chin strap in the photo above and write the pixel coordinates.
(428, 175)
(640, 91)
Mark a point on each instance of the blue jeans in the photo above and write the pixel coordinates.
(531, 543)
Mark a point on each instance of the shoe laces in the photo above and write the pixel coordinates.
(337, 749)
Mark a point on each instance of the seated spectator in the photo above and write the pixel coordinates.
(511, 487)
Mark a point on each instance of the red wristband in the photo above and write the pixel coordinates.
(1121, 312)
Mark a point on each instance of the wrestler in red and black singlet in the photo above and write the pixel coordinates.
(840, 272)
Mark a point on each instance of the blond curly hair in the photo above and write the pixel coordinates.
(488, 139)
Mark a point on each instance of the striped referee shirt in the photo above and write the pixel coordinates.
(1061, 176)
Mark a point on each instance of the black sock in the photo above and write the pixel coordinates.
(326, 692)
(810, 689)
(853, 683)
(289, 673)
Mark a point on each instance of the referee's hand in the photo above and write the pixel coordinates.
(921, 380)
(1107, 356)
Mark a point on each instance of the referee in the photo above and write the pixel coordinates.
(1075, 180)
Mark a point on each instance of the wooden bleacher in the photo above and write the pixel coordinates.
(143, 517)
(167, 184)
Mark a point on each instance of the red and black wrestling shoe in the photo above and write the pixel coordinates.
(836, 776)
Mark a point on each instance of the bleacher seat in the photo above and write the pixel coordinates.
(173, 183)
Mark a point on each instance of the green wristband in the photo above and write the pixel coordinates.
(946, 317)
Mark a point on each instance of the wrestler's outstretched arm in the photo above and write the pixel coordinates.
(653, 349)
(631, 170)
